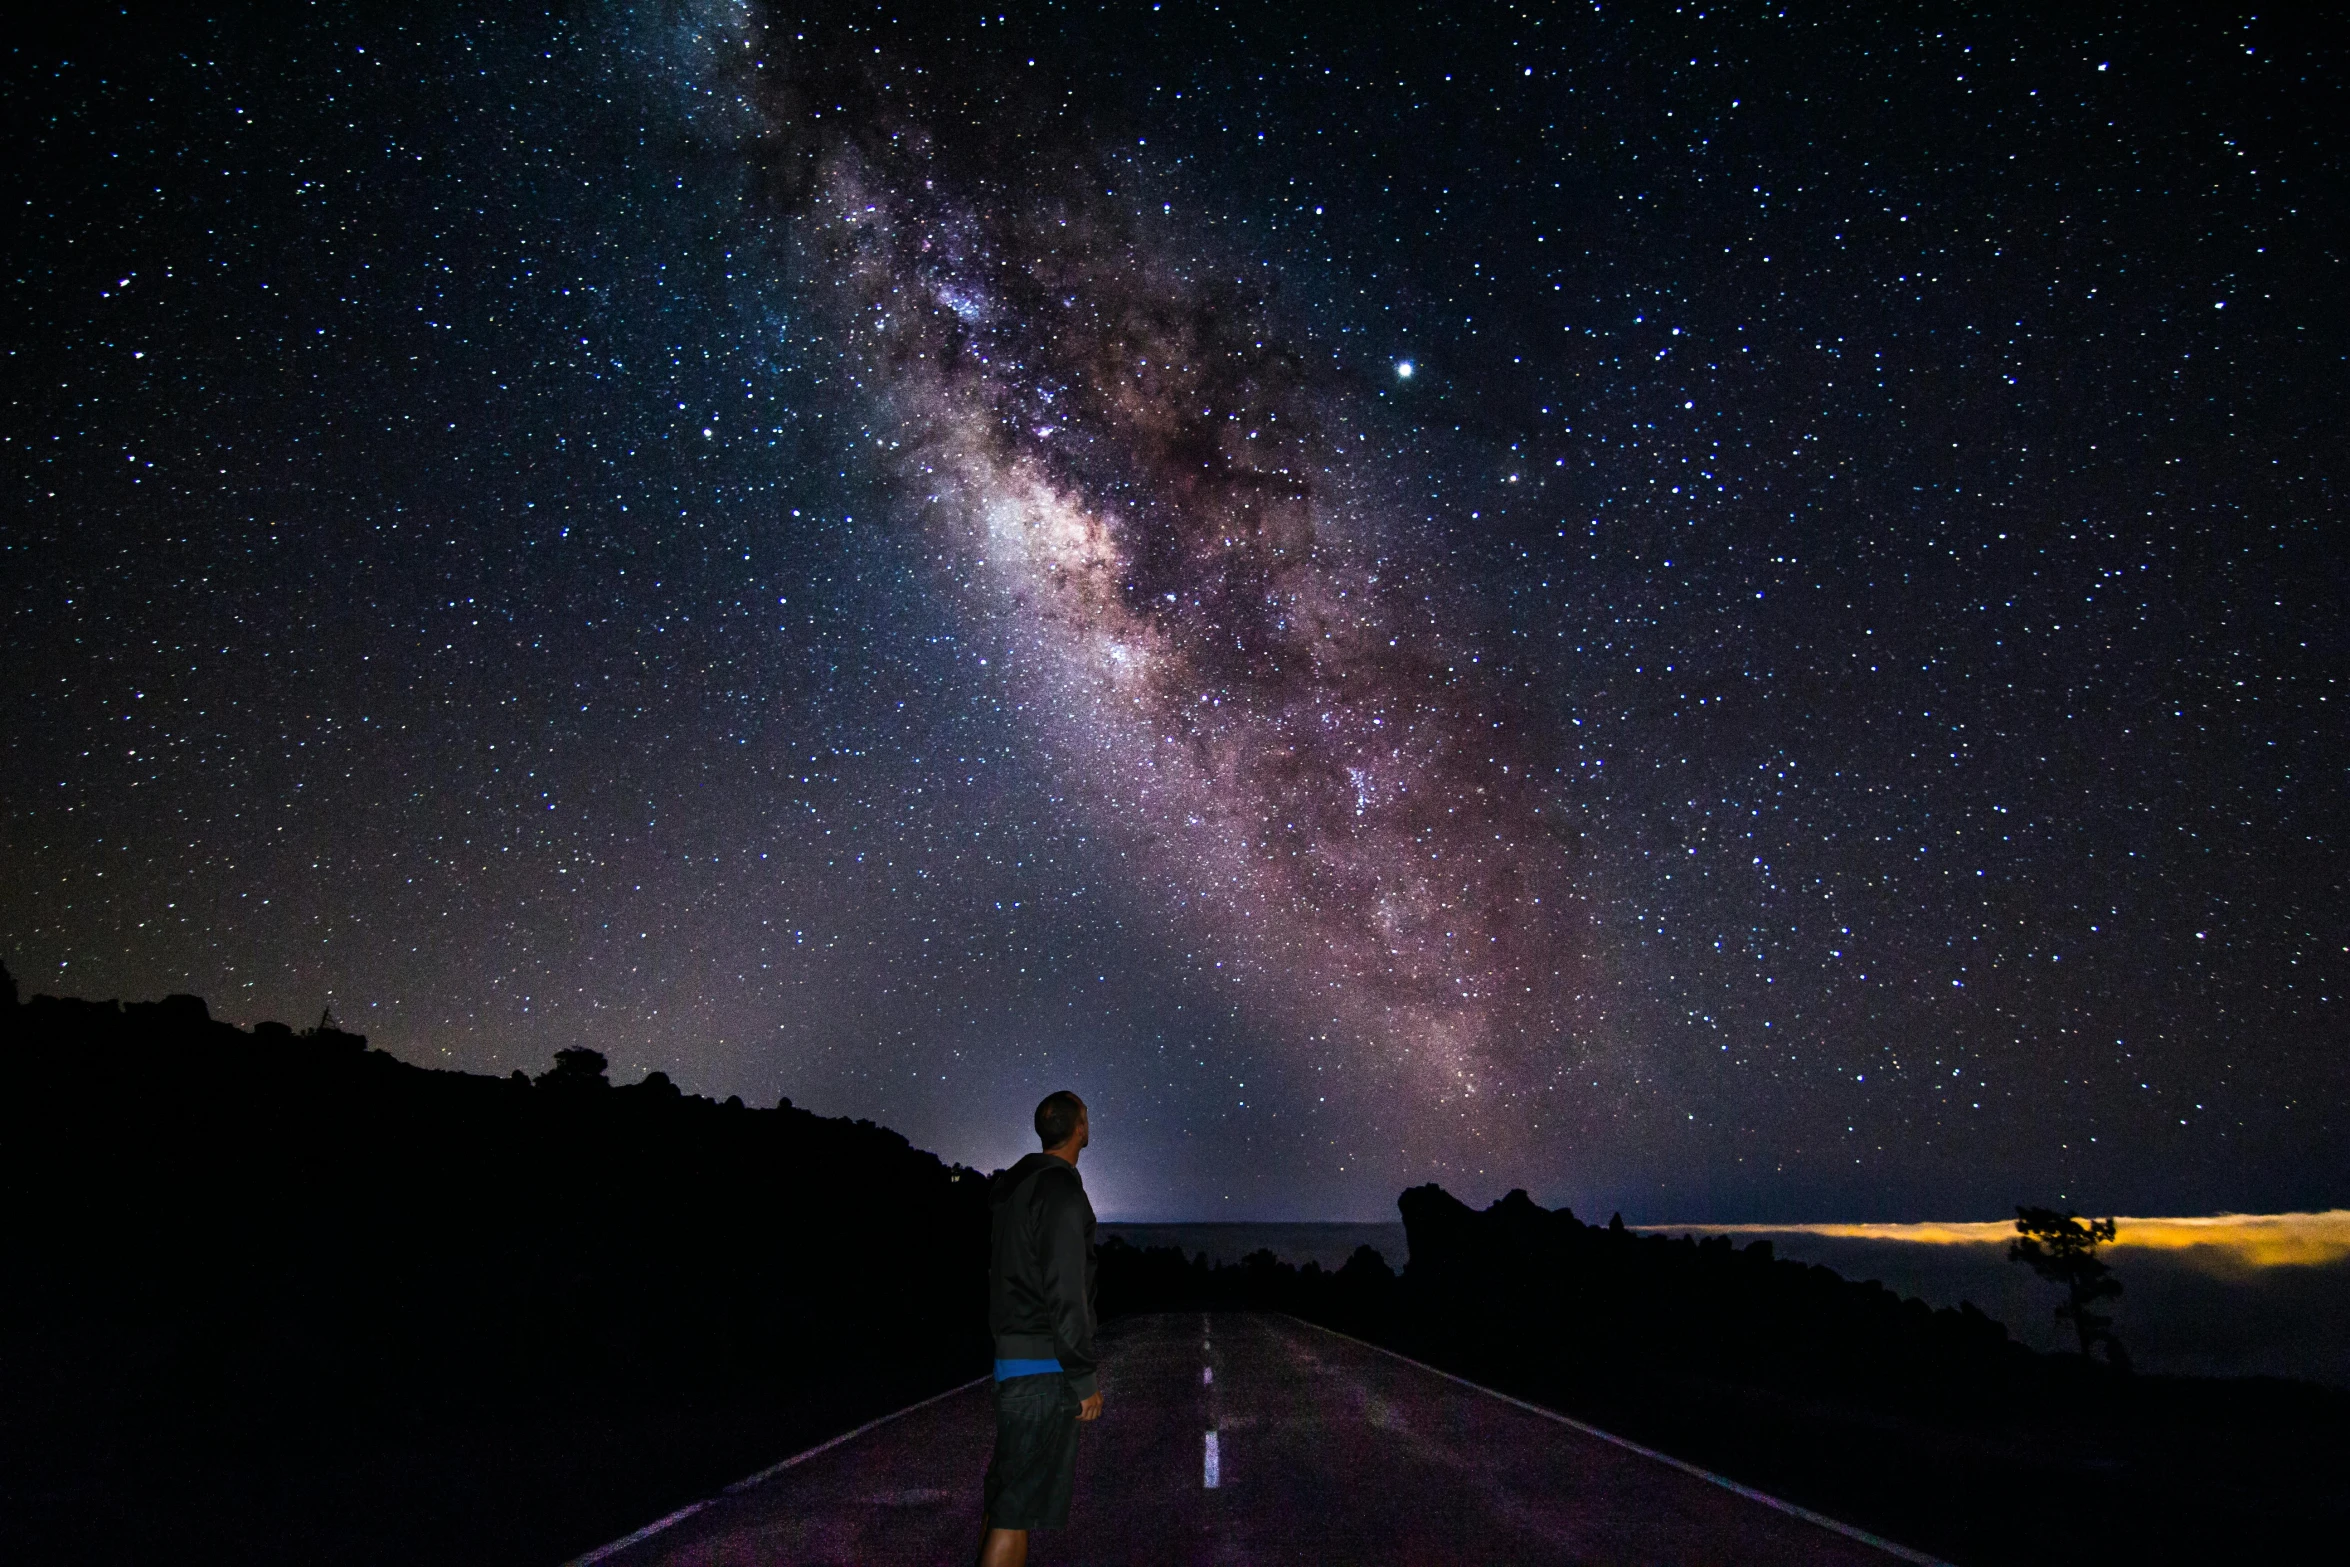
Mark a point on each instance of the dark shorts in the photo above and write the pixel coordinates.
(1034, 1469)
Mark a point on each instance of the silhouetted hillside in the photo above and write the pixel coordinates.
(1932, 1427)
(276, 1297)
(1516, 1285)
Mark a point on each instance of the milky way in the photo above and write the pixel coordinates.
(1149, 488)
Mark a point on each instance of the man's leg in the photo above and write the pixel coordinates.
(1004, 1548)
(1030, 1475)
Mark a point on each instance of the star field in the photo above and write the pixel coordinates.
(1725, 612)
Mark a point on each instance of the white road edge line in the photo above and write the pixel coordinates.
(1724, 1481)
(1211, 1470)
(764, 1475)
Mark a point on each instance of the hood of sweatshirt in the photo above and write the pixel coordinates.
(1009, 1181)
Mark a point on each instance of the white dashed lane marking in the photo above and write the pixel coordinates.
(1211, 1469)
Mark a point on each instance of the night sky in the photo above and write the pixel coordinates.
(1729, 613)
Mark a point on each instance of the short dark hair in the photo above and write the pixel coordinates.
(1057, 1117)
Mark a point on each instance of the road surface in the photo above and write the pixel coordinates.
(1256, 1439)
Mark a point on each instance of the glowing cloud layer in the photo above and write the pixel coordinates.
(2227, 1240)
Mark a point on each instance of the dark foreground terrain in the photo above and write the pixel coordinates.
(277, 1298)
(1929, 1427)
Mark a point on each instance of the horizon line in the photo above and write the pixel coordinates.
(2300, 1238)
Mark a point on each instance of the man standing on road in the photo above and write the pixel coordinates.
(1040, 1308)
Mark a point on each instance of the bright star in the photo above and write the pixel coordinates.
(1403, 369)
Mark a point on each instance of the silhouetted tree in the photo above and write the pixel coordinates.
(2062, 1248)
(577, 1067)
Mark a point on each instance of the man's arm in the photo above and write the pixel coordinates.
(1063, 1241)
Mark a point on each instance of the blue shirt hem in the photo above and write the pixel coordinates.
(1006, 1370)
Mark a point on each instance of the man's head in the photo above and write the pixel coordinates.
(1060, 1123)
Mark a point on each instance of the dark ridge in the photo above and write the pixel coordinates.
(1929, 1427)
(277, 1297)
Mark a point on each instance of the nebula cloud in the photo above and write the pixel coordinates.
(1137, 478)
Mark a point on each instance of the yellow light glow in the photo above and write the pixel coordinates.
(2256, 1240)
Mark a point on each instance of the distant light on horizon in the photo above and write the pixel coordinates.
(2257, 1240)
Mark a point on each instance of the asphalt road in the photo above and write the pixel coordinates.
(1320, 1450)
